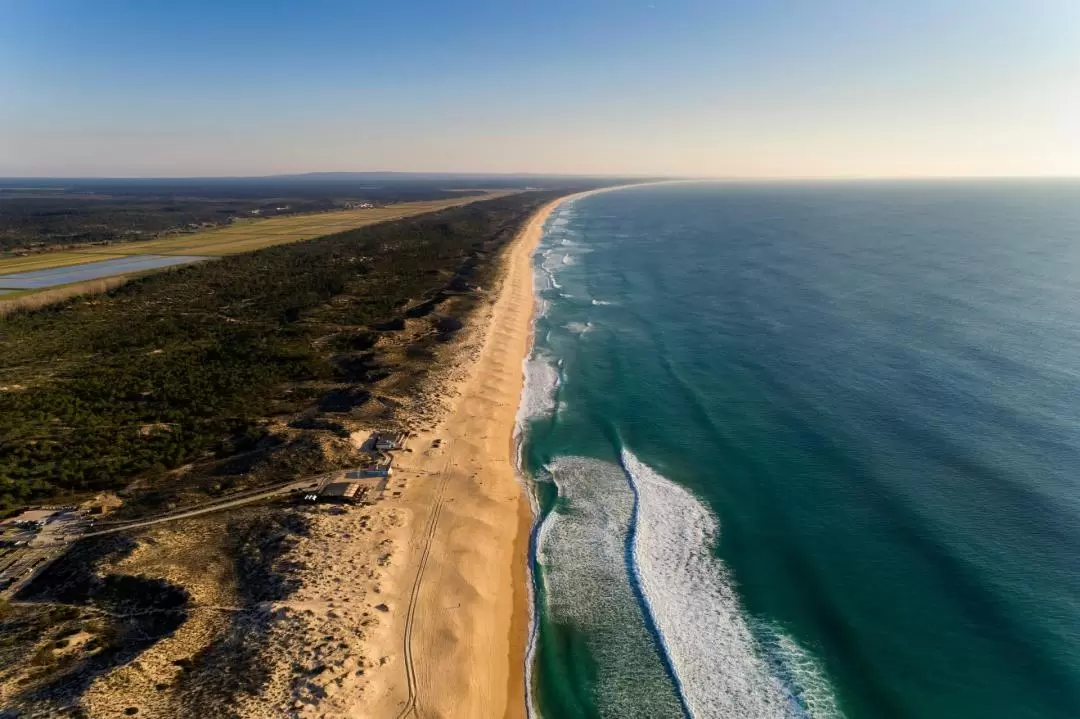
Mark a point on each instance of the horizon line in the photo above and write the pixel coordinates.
(567, 175)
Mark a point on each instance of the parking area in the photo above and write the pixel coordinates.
(31, 539)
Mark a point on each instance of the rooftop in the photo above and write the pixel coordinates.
(342, 490)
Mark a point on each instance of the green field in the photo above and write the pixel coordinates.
(243, 236)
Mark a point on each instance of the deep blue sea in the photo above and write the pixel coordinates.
(808, 450)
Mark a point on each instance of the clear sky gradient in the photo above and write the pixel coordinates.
(760, 88)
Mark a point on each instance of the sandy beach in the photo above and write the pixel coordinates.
(415, 604)
(464, 637)
(469, 622)
(419, 605)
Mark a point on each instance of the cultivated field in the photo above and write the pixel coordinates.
(242, 236)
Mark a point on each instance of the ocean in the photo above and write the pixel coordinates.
(807, 450)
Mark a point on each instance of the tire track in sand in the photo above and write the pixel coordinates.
(411, 703)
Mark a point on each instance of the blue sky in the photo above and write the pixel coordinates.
(798, 88)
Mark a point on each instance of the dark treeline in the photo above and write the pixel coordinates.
(181, 364)
(43, 222)
(40, 213)
(33, 221)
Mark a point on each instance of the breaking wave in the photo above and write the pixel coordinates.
(624, 562)
(538, 392)
(723, 670)
(581, 550)
(626, 559)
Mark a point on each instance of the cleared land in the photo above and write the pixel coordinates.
(49, 260)
(241, 236)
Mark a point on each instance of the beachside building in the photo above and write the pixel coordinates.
(347, 492)
(378, 468)
(369, 473)
(386, 441)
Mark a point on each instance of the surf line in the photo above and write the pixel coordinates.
(531, 709)
(638, 590)
(528, 412)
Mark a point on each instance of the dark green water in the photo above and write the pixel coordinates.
(813, 451)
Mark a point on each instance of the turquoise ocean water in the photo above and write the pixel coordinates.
(808, 451)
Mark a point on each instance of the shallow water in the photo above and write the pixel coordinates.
(809, 450)
(39, 279)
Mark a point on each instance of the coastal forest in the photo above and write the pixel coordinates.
(187, 363)
(43, 214)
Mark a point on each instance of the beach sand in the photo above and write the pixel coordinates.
(464, 639)
(418, 605)
(470, 625)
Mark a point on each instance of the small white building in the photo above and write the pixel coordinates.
(385, 441)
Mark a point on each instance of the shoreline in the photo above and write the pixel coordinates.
(464, 639)
(524, 575)
(473, 590)
(524, 578)
(427, 608)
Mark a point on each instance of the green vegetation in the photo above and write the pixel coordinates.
(44, 214)
(123, 614)
(246, 235)
(42, 222)
(187, 363)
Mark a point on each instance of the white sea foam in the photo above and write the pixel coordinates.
(581, 548)
(802, 675)
(544, 279)
(551, 262)
(579, 328)
(722, 669)
(538, 392)
(567, 259)
(602, 302)
(541, 280)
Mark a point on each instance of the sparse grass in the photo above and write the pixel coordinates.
(35, 299)
(49, 260)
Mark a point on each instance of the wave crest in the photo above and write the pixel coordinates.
(722, 669)
(581, 550)
(538, 392)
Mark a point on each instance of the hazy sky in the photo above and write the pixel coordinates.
(760, 88)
